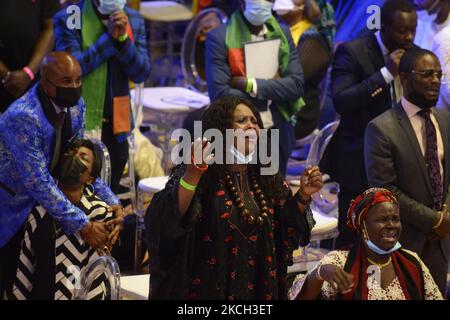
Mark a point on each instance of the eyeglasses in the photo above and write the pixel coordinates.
(429, 74)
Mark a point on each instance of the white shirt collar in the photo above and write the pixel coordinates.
(57, 108)
(410, 108)
(383, 48)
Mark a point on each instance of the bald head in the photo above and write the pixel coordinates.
(59, 69)
(59, 63)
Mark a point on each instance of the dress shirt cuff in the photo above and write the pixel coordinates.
(387, 75)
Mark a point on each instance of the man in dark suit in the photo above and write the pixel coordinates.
(277, 99)
(364, 84)
(407, 151)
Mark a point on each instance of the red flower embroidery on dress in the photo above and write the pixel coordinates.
(225, 215)
(234, 251)
(206, 238)
(228, 239)
(233, 275)
(251, 262)
(196, 281)
(273, 273)
(268, 296)
(229, 203)
(231, 297)
(270, 234)
(251, 194)
(220, 193)
(253, 238)
(269, 259)
(212, 261)
(250, 286)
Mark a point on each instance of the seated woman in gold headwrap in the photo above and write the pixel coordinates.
(376, 268)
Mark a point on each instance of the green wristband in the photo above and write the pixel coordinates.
(187, 186)
(249, 85)
(123, 37)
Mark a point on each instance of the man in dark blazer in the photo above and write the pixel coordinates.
(278, 98)
(365, 83)
(407, 151)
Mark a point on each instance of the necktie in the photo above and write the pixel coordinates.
(432, 160)
(58, 133)
(397, 90)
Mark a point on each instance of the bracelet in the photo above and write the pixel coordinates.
(123, 37)
(439, 222)
(187, 186)
(318, 276)
(203, 168)
(249, 87)
(29, 72)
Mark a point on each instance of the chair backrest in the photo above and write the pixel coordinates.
(320, 142)
(192, 50)
(105, 173)
(326, 199)
(104, 268)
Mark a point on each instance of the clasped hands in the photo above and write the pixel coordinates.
(103, 235)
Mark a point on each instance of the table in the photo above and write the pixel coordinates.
(135, 287)
(164, 109)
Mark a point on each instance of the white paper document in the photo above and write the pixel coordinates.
(261, 58)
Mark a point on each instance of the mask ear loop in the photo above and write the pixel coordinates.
(365, 232)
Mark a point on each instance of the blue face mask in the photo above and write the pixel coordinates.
(257, 12)
(239, 157)
(372, 246)
(108, 7)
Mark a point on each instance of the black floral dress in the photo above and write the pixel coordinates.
(213, 253)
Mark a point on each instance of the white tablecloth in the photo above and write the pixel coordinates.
(171, 99)
(135, 287)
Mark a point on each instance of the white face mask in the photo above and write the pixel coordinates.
(372, 246)
(108, 7)
(257, 12)
(239, 157)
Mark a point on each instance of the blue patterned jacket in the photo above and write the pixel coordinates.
(27, 140)
(133, 55)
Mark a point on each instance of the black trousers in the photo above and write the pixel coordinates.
(347, 237)
(9, 259)
(118, 152)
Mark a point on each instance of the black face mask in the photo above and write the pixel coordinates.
(71, 168)
(67, 97)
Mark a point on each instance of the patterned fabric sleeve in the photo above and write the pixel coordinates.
(432, 291)
(336, 258)
(26, 144)
(105, 193)
(133, 56)
(70, 41)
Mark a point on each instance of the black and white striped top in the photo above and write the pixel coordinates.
(72, 253)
